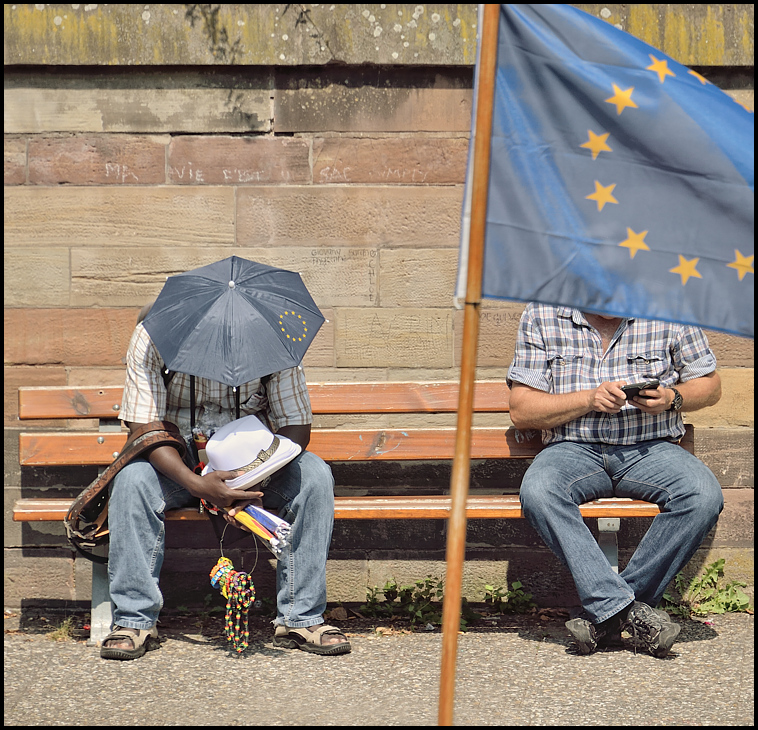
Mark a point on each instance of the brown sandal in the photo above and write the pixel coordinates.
(142, 640)
(312, 641)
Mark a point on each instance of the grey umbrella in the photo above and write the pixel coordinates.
(233, 321)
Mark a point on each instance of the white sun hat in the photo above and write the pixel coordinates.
(247, 444)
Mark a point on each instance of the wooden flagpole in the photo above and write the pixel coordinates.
(459, 483)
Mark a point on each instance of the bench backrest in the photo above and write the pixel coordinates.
(72, 447)
(490, 396)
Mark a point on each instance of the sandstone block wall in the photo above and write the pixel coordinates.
(142, 141)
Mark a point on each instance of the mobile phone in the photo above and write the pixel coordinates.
(633, 389)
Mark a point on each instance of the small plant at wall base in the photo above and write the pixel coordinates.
(420, 603)
(64, 631)
(503, 600)
(707, 593)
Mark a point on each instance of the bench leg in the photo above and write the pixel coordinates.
(100, 622)
(608, 528)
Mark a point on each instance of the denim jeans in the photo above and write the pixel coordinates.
(302, 492)
(566, 474)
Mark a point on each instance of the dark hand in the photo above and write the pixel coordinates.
(213, 488)
(254, 498)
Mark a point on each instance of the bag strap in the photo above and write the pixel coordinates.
(192, 407)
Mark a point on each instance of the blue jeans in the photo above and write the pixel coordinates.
(302, 492)
(565, 475)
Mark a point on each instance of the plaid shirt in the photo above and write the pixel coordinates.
(282, 401)
(557, 351)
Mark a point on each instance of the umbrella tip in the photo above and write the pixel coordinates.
(232, 285)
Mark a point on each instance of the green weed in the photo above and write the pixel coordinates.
(503, 600)
(706, 594)
(64, 632)
(420, 603)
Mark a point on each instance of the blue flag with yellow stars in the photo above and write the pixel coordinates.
(621, 182)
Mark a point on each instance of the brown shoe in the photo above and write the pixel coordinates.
(314, 639)
(127, 643)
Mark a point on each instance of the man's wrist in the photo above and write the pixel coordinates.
(193, 483)
(675, 404)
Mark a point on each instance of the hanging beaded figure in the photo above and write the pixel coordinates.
(237, 587)
(239, 592)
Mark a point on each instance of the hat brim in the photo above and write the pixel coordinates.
(285, 453)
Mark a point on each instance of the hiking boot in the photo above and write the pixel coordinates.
(654, 628)
(589, 636)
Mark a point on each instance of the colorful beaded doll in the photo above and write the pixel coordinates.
(239, 592)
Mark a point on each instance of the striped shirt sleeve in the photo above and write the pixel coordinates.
(530, 361)
(144, 391)
(288, 399)
(691, 354)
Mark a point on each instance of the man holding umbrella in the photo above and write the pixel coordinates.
(221, 342)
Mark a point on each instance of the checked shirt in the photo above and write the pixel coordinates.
(282, 401)
(557, 351)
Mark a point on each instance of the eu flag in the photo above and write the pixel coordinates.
(621, 182)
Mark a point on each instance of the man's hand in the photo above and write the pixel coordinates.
(608, 397)
(213, 488)
(251, 498)
(657, 401)
(232, 501)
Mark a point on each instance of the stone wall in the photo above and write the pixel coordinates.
(145, 140)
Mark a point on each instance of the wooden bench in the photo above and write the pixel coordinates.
(364, 444)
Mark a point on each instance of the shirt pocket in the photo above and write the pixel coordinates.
(647, 364)
(566, 370)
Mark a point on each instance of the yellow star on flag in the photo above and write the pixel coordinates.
(660, 67)
(686, 269)
(622, 99)
(743, 264)
(635, 242)
(597, 143)
(744, 105)
(700, 78)
(602, 195)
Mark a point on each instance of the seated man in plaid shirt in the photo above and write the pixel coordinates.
(566, 380)
(302, 492)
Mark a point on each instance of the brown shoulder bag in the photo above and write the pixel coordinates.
(87, 518)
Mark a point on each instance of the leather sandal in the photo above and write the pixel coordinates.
(311, 641)
(142, 640)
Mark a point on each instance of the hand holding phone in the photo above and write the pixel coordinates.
(633, 389)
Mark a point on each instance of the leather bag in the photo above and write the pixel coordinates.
(87, 519)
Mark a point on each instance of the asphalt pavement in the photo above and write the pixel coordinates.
(516, 670)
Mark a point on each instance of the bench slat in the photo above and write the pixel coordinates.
(405, 444)
(393, 507)
(74, 448)
(82, 448)
(66, 402)
(490, 396)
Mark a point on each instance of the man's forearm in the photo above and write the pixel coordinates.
(700, 392)
(301, 435)
(167, 461)
(534, 409)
